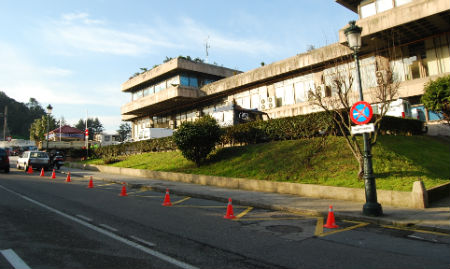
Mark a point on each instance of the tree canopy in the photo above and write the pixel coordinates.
(94, 126)
(124, 131)
(20, 116)
(39, 127)
(437, 97)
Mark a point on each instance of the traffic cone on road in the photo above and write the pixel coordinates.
(230, 214)
(30, 170)
(124, 190)
(68, 177)
(42, 172)
(53, 174)
(167, 199)
(330, 220)
(91, 184)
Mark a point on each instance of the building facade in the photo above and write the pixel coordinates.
(409, 39)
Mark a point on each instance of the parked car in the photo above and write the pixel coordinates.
(37, 160)
(4, 160)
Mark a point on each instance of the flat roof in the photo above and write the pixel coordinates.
(174, 65)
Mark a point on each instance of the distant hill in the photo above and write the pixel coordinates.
(19, 116)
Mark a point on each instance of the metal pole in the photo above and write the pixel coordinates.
(371, 207)
(5, 122)
(87, 137)
(48, 127)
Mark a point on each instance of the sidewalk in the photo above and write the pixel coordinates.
(436, 218)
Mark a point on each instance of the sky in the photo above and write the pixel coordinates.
(75, 55)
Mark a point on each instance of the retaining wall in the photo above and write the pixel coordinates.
(418, 198)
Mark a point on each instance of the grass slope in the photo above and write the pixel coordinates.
(397, 160)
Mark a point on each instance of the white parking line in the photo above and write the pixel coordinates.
(14, 259)
(84, 218)
(109, 227)
(143, 241)
(107, 233)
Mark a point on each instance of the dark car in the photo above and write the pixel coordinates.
(4, 160)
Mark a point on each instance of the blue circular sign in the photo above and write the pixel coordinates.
(361, 113)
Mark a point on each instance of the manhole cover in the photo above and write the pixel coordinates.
(284, 229)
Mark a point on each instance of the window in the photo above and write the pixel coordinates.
(189, 81)
(175, 81)
(255, 101)
(161, 86)
(289, 94)
(279, 95)
(368, 10)
(383, 5)
(401, 2)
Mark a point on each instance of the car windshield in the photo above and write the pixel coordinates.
(38, 155)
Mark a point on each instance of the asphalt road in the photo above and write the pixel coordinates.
(47, 223)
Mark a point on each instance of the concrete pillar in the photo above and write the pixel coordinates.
(419, 195)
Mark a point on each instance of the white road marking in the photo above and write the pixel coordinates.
(84, 218)
(14, 259)
(109, 227)
(143, 241)
(107, 233)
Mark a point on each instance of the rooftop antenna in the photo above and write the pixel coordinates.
(207, 46)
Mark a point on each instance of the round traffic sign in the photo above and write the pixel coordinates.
(361, 112)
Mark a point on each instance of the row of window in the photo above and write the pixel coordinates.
(372, 7)
(184, 80)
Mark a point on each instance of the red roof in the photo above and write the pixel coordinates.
(66, 129)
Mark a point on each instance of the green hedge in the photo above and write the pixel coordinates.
(302, 126)
(157, 144)
(290, 128)
(400, 126)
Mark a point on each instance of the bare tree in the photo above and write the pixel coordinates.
(338, 97)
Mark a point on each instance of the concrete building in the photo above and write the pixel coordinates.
(107, 139)
(409, 39)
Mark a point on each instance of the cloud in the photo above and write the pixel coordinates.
(21, 78)
(77, 32)
(82, 17)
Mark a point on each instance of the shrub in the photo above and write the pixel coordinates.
(197, 139)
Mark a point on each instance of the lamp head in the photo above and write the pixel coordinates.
(353, 34)
(49, 109)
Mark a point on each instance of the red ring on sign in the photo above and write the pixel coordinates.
(360, 113)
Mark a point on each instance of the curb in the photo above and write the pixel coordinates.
(313, 213)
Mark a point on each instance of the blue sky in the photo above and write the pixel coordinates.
(76, 54)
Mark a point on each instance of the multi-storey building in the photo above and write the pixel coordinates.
(410, 38)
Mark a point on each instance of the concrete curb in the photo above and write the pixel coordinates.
(313, 213)
(414, 199)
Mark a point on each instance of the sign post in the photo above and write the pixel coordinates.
(361, 113)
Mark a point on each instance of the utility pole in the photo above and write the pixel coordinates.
(5, 122)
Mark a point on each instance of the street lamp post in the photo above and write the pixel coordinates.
(49, 111)
(371, 207)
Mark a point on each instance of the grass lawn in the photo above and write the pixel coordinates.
(398, 161)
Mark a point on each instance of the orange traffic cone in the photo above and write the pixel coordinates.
(124, 190)
(330, 220)
(68, 177)
(53, 174)
(167, 199)
(230, 214)
(30, 170)
(91, 184)
(42, 172)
